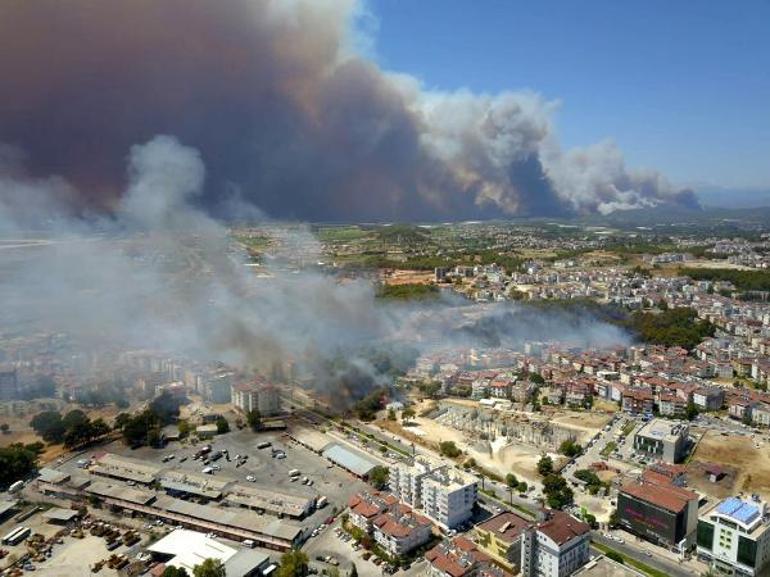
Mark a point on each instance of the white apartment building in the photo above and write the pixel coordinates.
(556, 547)
(733, 537)
(444, 495)
(261, 396)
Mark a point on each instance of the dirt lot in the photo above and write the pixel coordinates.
(75, 557)
(409, 277)
(496, 457)
(739, 454)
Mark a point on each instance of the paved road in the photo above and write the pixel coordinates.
(656, 561)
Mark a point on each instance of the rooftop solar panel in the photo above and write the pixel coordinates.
(738, 510)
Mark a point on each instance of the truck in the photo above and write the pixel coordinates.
(321, 502)
(17, 536)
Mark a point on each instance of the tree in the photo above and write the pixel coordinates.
(120, 421)
(74, 418)
(49, 425)
(184, 428)
(293, 564)
(222, 426)
(449, 449)
(17, 461)
(522, 487)
(391, 415)
(570, 448)
(5, 427)
(614, 518)
(511, 480)
(536, 378)
(210, 568)
(254, 419)
(175, 572)
(557, 492)
(407, 414)
(353, 571)
(545, 465)
(378, 477)
(692, 410)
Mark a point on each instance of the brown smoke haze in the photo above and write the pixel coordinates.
(286, 115)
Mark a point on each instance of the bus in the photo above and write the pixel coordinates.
(16, 536)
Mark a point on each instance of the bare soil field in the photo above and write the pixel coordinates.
(697, 479)
(409, 277)
(739, 454)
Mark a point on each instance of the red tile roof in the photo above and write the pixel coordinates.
(562, 527)
(511, 523)
(669, 497)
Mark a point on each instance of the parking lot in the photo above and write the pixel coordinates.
(267, 469)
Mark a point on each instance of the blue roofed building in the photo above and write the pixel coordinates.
(733, 536)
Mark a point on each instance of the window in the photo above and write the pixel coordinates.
(705, 535)
(747, 551)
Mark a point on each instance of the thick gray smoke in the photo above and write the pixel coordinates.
(287, 115)
(162, 274)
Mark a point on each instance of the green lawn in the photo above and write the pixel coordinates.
(609, 448)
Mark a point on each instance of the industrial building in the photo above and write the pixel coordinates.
(124, 469)
(185, 549)
(664, 440)
(350, 460)
(662, 514)
(733, 537)
(264, 500)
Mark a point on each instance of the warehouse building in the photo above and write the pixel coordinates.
(124, 469)
(352, 461)
(662, 514)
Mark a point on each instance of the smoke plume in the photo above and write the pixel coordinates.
(160, 273)
(287, 115)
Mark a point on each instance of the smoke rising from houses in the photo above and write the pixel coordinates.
(161, 273)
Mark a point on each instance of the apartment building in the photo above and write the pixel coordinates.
(556, 547)
(500, 538)
(443, 494)
(400, 530)
(261, 396)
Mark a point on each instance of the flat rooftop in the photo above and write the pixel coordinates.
(238, 519)
(190, 548)
(662, 430)
(266, 499)
(349, 459)
(748, 513)
(603, 567)
(193, 483)
(120, 492)
(112, 465)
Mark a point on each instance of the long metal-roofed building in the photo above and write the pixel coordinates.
(124, 468)
(350, 460)
(120, 493)
(269, 500)
(733, 537)
(186, 483)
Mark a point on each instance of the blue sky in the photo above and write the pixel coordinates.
(681, 86)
